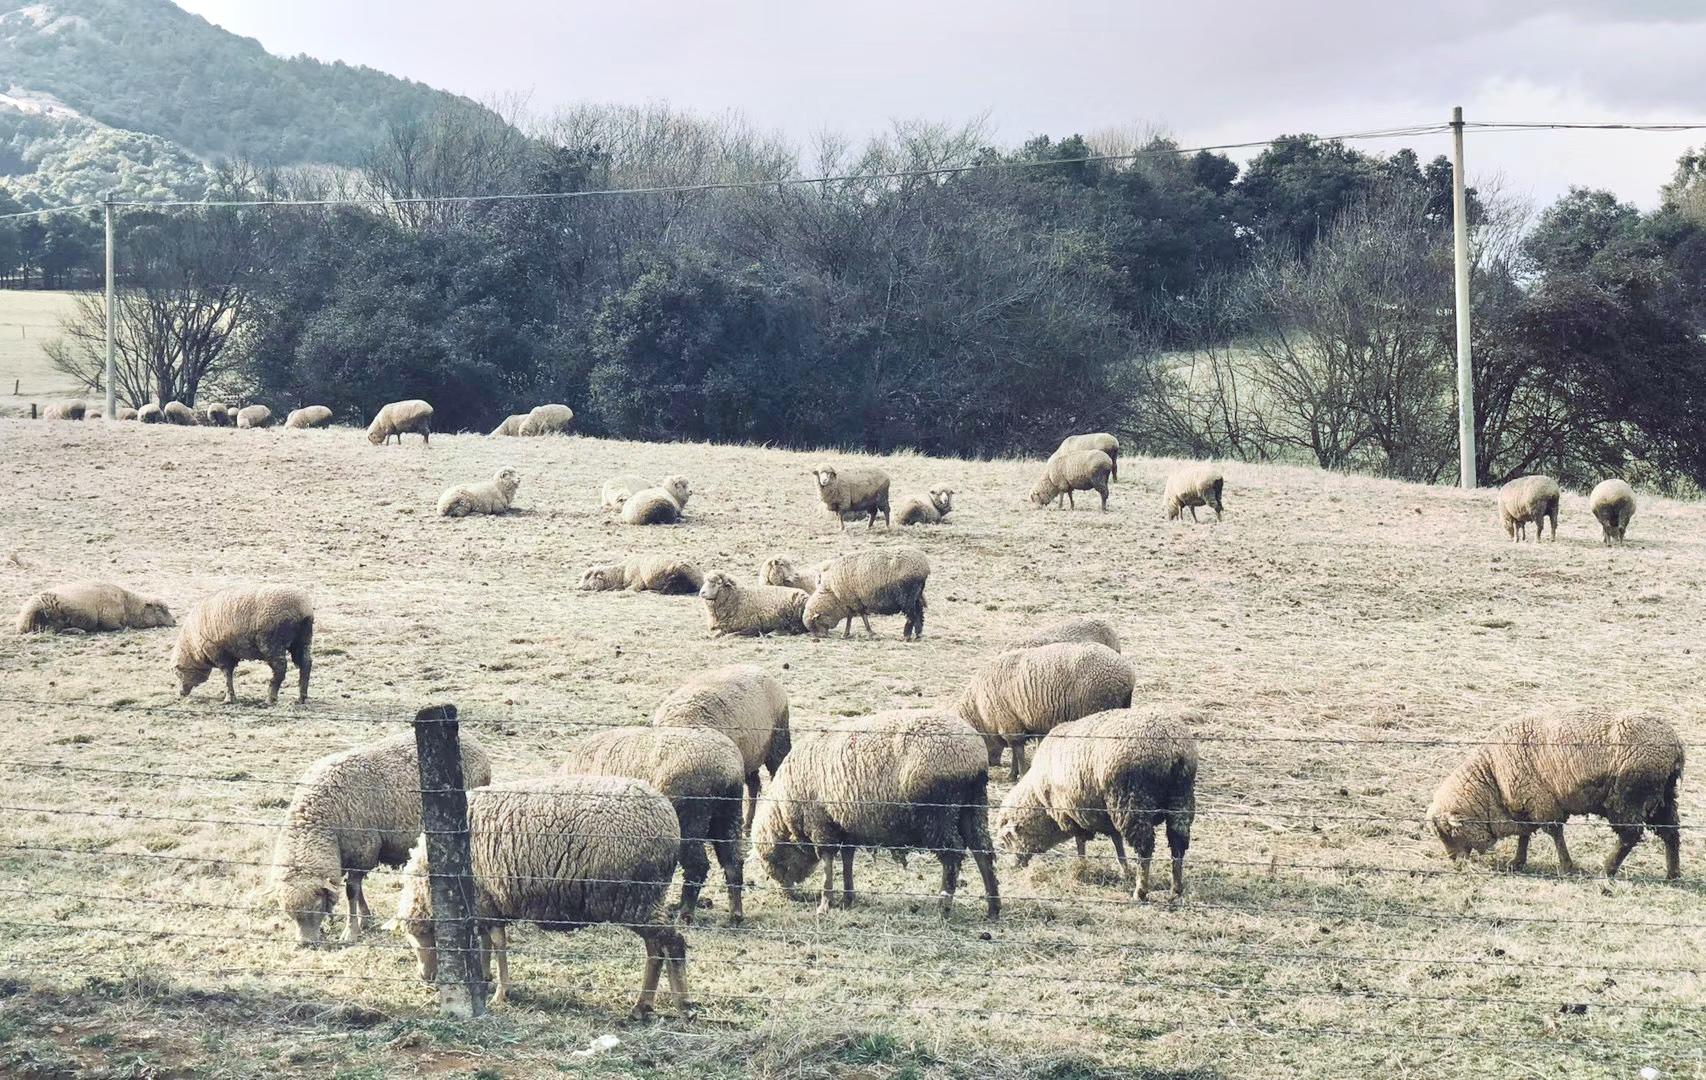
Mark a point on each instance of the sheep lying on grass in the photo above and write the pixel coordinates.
(927, 509)
(898, 780)
(1529, 499)
(91, 607)
(1536, 774)
(1100, 440)
(266, 623)
(1612, 504)
(254, 416)
(886, 581)
(65, 410)
(1027, 693)
(619, 489)
(743, 702)
(1073, 470)
(399, 418)
(733, 608)
(780, 570)
(1190, 487)
(852, 491)
(1117, 774)
(547, 420)
(645, 573)
(492, 496)
(661, 505)
(310, 416)
(510, 426)
(1079, 628)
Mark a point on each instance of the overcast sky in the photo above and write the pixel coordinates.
(1209, 71)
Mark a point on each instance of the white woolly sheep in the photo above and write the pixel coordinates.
(64, 410)
(548, 420)
(91, 607)
(1073, 470)
(266, 623)
(510, 426)
(1100, 440)
(492, 496)
(125, 412)
(745, 704)
(150, 414)
(1190, 487)
(618, 489)
(780, 570)
(645, 573)
(886, 581)
(897, 780)
(176, 412)
(215, 414)
(1026, 693)
(254, 416)
(353, 811)
(1529, 499)
(399, 418)
(733, 608)
(852, 491)
(1536, 774)
(1612, 504)
(1116, 774)
(927, 509)
(1080, 628)
(700, 772)
(564, 853)
(309, 416)
(661, 505)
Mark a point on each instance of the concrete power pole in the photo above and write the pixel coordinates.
(112, 389)
(1465, 373)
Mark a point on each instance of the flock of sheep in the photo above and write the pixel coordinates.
(601, 840)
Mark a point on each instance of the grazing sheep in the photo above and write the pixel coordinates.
(564, 853)
(91, 607)
(254, 416)
(400, 418)
(1612, 504)
(548, 420)
(1526, 499)
(150, 414)
(1117, 774)
(492, 496)
(1074, 470)
(619, 489)
(927, 509)
(126, 413)
(1537, 774)
(745, 704)
(1100, 440)
(852, 491)
(266, 622)
(887, 581)
(353, 811)
(1026, 693)
(510, 426)
(65, 410)
(898, 780)
(215, 414)
(700, 772)
(176, 412)
(1190, 487)
(733, 608)
(310, 416)
(1080, 628)
(645, 573)
(660, 505)
(780, 570)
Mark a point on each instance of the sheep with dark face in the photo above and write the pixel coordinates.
(853, 491)
(1529, 499)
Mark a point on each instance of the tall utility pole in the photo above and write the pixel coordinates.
(112, 389)
(1465, 374)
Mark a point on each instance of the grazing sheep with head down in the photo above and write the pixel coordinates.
(548, 420)
(91, 607)
(1612, 504)
(645, 573)
(1100, 440)
(176, 412)
(353, 811)
(700, 772)
(886, 581)
(492, 496)
(854, 490)
(619, 489)
(510, 426)
(780, 570)
(1073, 470)
(400, 418)
(1529, 499)
(1536, 774)
(254, 416)
(927, 509)
(745, 704)
(661, 505)
(309, 416)
(1190, 487)
(1117, 774)
(266, 623)
(151, 414)
(65, 410)
(562, 852)
(733, 608)
(125, 412)
(1079, 628)
(215, 414)
(908, 780)
(1026, 693)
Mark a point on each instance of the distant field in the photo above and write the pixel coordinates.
(1338, 631)
(28, 319)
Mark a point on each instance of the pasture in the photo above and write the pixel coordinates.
(1341, 634)
(29, 319)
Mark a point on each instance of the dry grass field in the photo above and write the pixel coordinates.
(28, 319)
(1345, 636)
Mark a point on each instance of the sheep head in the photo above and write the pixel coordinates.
(1026, 830)
(308, 900)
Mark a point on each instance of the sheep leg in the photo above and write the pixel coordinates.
(1070, 501)
(950, 878)
(674, 949)
(1018, 762)
(1193, 509)
(1521, 859)
(866, 619)
(230, 684)
(751, 800)
(1119, 854)
(695, 868)
(1666, 825)
(279, 670)
(728, 857)
(1143, 839)
(847, 876)
(1178, 841)
(496, 943)
(301, 652)
(357, 904)
(1080, 869)
(649, 980)
(824, 902)
(1627, 838)
(1102, 490)
(1556, 832)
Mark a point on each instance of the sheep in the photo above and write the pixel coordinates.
(65, 410)
(887, 581)
(927, 509)
(510, 426)
(492, 496)
(309, 416)
(700, 772)
(1190, 487)
(1526, 499)
(733, 608)
(1079, 628)
(1074, 470)
(150, 414)
(215, 414)
(661, 505)
(562, 852)
(645, 573)
(852, 491)
(126, 413)
(1612, 503)
(1027, 693)
(254, 416)
(266, 622)
(1100, 440)
(742, 702)
(353, 811)
(91, 607)
(780, 570)
(1535, 774)
(548, 420)
(1118, 774)
(619, 489)
(400, 418)
(905, 780)
(176, 412)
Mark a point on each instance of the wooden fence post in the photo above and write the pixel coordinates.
(444, 819)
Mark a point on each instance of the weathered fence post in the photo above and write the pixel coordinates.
(444, 819)
(32, 410)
